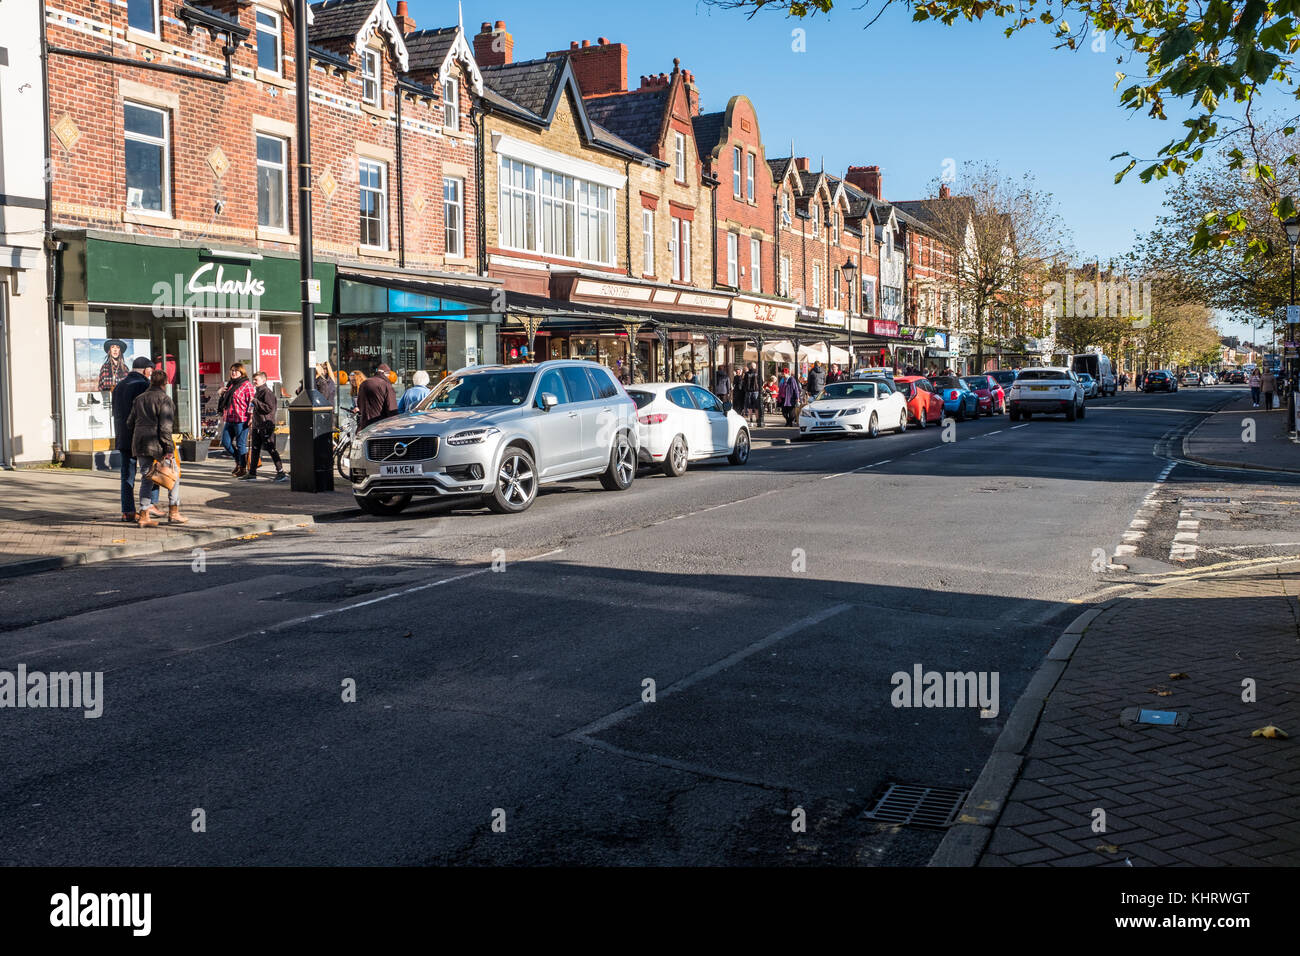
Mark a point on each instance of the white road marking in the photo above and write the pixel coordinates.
(1014, 427)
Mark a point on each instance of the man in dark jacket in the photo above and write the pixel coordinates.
(151, 421)
(124, 396)
(376, 398)
(264, 407)
(816, 380)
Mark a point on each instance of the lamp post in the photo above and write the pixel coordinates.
(1292, 226)
(850, 269)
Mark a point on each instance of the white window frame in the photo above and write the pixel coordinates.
(816, 218)
(451, 102)
(453, 212)
(679, 157)
(868, 304)
(166, 164)
(835, 289)
(283, 167)
(817, 285)
(749, 176)
(577, 204)
(735, 172)
(153, 5)
(733, 260)
(647, 241)
(679, 244)
(278, 28)
(383, 201)
(369, 56)
(755, 264)
(784, 290)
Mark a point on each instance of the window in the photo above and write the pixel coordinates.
(817, 285)
(679, 157)
(552, 383)
(451, 103)
(868, 296)
(370, 77)
(551, 213)
(142, 15)
(733, 260)
(707, 401)
(681, 397)
(835, 227)
(679, 245)
(816, 218)
(577, 384)
(647, 242)
(374, 204)
(835, 289)
(453, 215)
(272, 183)
(785, 208)
(148, 159)
(749, 176)
(268, 41)
(785, 277)
(755, 269)
(735, 171)
(602, 383)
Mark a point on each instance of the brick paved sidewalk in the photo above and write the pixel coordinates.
(1204, 794)
(53, 517)
(1219, 439)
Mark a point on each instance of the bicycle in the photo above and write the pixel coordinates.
(343, 445)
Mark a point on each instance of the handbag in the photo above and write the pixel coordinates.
(167, 472)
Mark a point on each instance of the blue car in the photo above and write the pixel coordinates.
(958, 399)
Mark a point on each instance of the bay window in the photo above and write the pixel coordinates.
(555, 214)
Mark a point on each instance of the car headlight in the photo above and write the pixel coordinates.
(856, 410)
(472, 436)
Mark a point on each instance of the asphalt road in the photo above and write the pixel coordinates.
(769, 604)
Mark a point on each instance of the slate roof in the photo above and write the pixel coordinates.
(708, 131)
(779, 167)
(428, 48)
(336, 19)
(527, 83)
(636, 116)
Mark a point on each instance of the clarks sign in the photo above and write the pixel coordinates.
(209, 288)
(204, 281)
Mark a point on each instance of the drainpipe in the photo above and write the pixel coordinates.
(479, 118)
(627, 216)
(401, 193)
(52, 249)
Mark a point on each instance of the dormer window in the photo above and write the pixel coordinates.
(679, 157)
(451, 103)
(370, 77)
(785, 208)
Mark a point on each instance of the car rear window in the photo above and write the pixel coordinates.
(976, 382)
(642, 399)
(1002, 378)
(1041, 375)
(948, 381)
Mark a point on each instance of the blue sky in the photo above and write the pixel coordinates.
(905, 96)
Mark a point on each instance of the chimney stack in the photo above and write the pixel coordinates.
(944, 191)
(494, 46)
(801, 163)
(405, 23)
(600, 69)
(866, 178)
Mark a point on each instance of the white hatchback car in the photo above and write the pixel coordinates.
(854, 408)
(679, 423)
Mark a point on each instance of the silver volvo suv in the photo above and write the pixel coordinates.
(500, 431)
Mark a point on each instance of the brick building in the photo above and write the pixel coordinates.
(173, 148)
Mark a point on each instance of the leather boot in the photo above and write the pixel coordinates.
(143, 520)
(128, 516)
(174, 515)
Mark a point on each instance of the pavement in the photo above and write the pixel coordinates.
(1241, 436)
(1093, 787)
(58, 517)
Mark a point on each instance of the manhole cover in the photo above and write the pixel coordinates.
(906, 804)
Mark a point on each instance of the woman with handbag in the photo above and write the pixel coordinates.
(151, 421)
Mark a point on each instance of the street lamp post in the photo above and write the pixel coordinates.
(1292, 226)
(850, 269)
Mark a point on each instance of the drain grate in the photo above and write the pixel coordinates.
(905, 804)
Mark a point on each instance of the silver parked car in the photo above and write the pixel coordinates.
(499, 432)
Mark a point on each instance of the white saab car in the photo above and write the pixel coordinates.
(854, 408)
(679, 423)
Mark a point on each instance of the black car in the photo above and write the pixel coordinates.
(1236, 377)
(1159, 382)
(1003, 377)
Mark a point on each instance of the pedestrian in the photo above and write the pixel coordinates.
(753, 392)
(127, 391)
(722, 387)
(414, 395)
(262, 428)
(233, 403)
(816, 379)
(376, 398)
(1268, 386)
(151, 421)
(737, 382)
(788, 394)
(1123, 380)
(1256, 382)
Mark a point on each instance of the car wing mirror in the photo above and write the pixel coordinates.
(547, 401)
(726, 406)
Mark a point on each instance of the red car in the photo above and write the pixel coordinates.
(923, 404)
(992, 400)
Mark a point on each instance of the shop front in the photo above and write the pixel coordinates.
(192, 310)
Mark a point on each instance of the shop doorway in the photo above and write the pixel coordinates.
(216, 344)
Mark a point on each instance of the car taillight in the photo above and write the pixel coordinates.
(651, 419)
(953, 396)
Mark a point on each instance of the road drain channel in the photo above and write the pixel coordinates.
(909, 805)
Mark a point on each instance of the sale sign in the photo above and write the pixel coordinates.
(268, 356)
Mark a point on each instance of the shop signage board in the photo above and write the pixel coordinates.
(769, 313)
(884, 327)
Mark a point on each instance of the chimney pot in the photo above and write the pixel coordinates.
(585, 44)
(485, 28)
(573, 44)
(944, 191)
(405, 23)
(494, 47)
(601, 41)
(501, 24)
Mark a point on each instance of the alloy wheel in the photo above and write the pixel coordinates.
(516, 480)
(624, 464)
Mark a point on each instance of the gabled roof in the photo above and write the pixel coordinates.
(779, 167)
(354, 22)
(708, 131)
(637, 116)
(435, 50)
(533, 89)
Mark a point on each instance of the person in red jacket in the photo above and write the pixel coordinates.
(233, 403)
